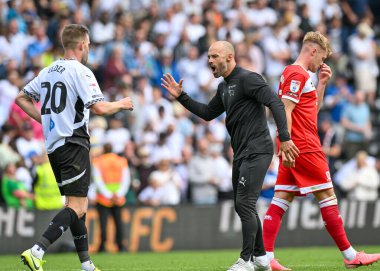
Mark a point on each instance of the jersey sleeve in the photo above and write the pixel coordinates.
(292, 86)
(88, 88)
(32, 89)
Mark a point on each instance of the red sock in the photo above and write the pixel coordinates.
(334, 225)
(271, 226)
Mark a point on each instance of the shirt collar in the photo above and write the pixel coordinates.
(232, 74)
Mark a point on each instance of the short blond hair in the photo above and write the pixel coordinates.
(72, 34)
(318, 38)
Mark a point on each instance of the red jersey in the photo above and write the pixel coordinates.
(297, 86)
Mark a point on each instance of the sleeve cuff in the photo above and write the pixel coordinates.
(182, 96)
(88, 105)
(290, 98)
(36, 98)
(284, 137)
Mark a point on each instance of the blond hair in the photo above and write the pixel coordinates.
(318, 38)
(72, 34)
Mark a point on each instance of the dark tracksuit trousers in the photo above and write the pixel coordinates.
(247, 179)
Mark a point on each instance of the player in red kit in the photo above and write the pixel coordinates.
(310, 172)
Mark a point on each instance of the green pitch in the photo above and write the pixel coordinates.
(299, 259)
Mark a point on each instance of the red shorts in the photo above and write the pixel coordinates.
(311, 173)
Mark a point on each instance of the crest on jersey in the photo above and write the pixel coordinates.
(51, 125)
(295, 86)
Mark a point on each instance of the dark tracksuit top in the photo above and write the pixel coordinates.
(243, 95)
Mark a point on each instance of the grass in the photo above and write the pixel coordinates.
(299, 259)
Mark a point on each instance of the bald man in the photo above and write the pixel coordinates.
(243, 95)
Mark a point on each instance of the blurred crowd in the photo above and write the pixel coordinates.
(159, 154)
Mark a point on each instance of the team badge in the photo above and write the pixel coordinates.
(295, 86)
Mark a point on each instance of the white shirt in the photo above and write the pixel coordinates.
(14, 47)
(362, 184)
(67, 89)
(262, 17)
(8, 93)
(28, 148)
(118, 138)
(364, 46)
(274, 44)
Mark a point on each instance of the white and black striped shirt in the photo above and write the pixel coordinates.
(66, 89)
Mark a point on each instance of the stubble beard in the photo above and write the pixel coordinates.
(84, 58)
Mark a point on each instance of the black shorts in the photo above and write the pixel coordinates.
(72, 169)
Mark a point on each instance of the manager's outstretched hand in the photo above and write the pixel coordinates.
(174, 88)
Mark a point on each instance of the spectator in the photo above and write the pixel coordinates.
(27, 145)
(277, 53)
(164, 186)
(230, 32)
(363, 56)
(14, 192)
(188, 68)
(357, 123)
(144, 167)
(362, 181)
(260, 15)
(165, 63)
(115, 67)
(159, 113)
(119, 43)
(18, 118)
(330, 141)
(112, 180)
(40, 43)
(7, 154)
(332, 10)
(208, 38)
(338, 96)
(342, 173)
(222, 172)
(98, 128)
(9, 89)
(13, 44)
(23, 174)
(194, 28)
(46, 192)
(202, 181)
(175, 141)
(183, 171)
(161, 150)
(117, 135)
(305, 24)
(354, 11)
(103, 29)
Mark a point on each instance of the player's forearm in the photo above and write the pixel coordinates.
(27, 105)
(106, 108)
(289, 107)
(321, 92)
(289, 121)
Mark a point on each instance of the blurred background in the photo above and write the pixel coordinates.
(160, 154)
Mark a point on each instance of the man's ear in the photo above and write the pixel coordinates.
(230, 57)
(81, 46)
(314, 51)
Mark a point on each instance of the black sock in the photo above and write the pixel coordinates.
(43, 243)
(60, 223)
(79, 232)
